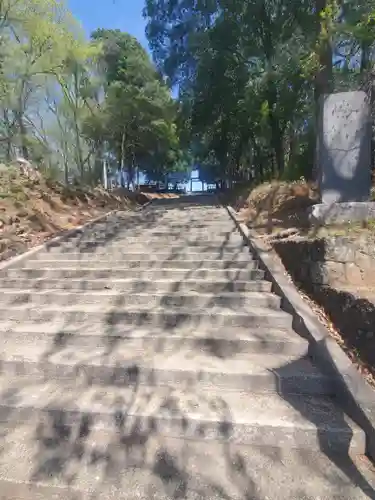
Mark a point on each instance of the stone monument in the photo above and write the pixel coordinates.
(344, 158)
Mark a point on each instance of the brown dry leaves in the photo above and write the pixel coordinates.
(34, 210)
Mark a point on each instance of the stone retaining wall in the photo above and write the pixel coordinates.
(334, 261)
(339, 274)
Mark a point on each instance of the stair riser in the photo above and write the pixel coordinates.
(192, 221)
(156, 246)
(243, 256)
(131, 236)
(196, 301)
(114, 322)
(134, 375)
(124, 242)
(183, 234)
(158, 227)
(145, 265)
(153, 274)
(138, 286)
(136, 232)
(226, 347)
(126, 235)
(195, 225)
(179, 230)
(181, 426)
(144, 253)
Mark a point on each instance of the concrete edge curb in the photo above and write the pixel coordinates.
(15, 261)
(353, 393)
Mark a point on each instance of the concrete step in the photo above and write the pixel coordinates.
(158, 226)
(178, 228)
(117, 318)
(196, 224)
(123, 273)
(223, 343)
(267, 420)
(42, 462)
(123, 241)
(145, 264)
(137, 285)
(110, 298)
(192, 220)
(156, 231)
(119, 365)
(132, 236)
(219, 251)
(155, 246)
(184, 233)
(124, 255)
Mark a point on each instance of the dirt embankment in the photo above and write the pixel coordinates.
(333, 266)
(34, 209)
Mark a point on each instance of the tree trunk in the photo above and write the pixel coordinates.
(324, 77)
(66, 171)
(274, 123)
(278, 146)
(365, 57)
(23, 134)
(79, 151)
(9, 132)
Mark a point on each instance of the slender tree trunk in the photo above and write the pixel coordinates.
(79, 150)
(66, 171)
(365, 57)
(324, 77)
(77, 132)
(9, 133)
(272, 100)
(23, 134)
(278, 146)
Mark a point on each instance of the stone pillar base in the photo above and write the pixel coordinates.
(342, 213)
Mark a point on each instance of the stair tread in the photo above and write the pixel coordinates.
(132, 280)
(134, 285)
(172, 310)
(146, 256)
(138, 273)
(203, 332)
(198, 361)
(170, 469)
(141, 265)
(216, 405)
(113, 293)
(102, 328)
(118, 263)
(113, 269)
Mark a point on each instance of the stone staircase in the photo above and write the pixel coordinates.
(148, 358)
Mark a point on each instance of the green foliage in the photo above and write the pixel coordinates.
(67, 103)
(138, 112)
(250, 75)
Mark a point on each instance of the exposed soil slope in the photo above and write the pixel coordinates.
(33, 209)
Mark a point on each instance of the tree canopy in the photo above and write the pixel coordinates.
(248, 77)
(69, 103)
(250, 74)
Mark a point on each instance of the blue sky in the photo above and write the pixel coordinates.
(125, 15)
